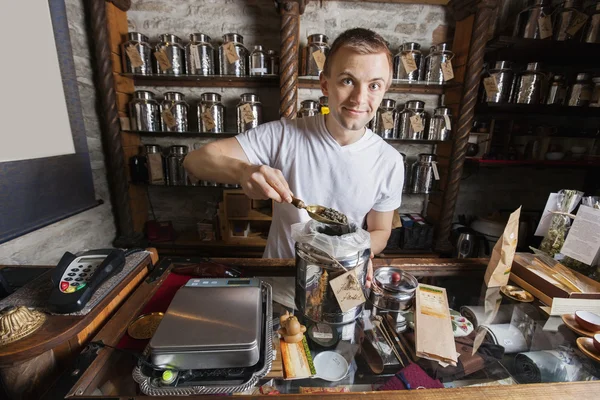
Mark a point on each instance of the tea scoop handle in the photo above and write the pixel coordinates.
(298, 203)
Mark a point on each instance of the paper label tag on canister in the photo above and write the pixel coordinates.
(417, 123)
(319, 58)
(257, 71)
(169, 119)
(230, 53)
(436, 173)
(577, 23)
(163, 59)
(447, 70)
(208, 120)
(408, 61)
(196, 63)
(347, 291)
(490, 85)
(387, 119)
(125, 123)
(247, 114)
(448, 122)
(134, 56)
(545, 26)
(155, 169)
(322, 335)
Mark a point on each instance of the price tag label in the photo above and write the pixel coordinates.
(436, 173)
(447, 70)
(231, 53)
(163, 59)
(490, 85)
(134, 56)
(208, 120)
(322, 335)
(347, 291)
(196, 63)
(387, 119)
(577, 23)
(417, 123)
(408, 61)
(247, 113)
(319, 58)
(448, 122)
(169, 119)
(545, 26)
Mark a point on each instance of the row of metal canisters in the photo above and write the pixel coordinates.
(198, 57)
(569, 21)
(310, 108)
(411, 122)
(535, 86)
(171, 115)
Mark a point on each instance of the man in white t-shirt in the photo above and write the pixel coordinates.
(332, 160)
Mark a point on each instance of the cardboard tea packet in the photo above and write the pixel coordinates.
(498, 269)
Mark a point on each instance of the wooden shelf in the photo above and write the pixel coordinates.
(204, 81)
(185, 134)
(397, 86)
(534, 163)
(531, 110)
(253, 215)
(565, 53)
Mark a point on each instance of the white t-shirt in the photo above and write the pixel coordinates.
(367, 174)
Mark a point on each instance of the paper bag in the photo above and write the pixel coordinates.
(498, 269)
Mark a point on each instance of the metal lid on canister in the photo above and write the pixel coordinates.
(535, 66)
(416, 105)
(394, 281)
(408, 46)
(233, 37)
(442, 111)
(174, 96)
(178, 149)
(249, 98)
(387, 103)
(438, 48)
(199, 37)
(427, 158)
(143, 94)
(257, 47)
(309, 105)
(272, 53)
(136, 36)
(317, 38)
(169, 38)
(152, 148)
(210, 97)
(583, 76)
(503, 65)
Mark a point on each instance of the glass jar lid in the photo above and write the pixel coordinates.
(233, 37)
(317, 38)
(249, 98)
(199, 37)
(213, 97)
(387, 103)
(169, 38)
(138, 37)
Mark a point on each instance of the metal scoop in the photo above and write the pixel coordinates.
(314, 212)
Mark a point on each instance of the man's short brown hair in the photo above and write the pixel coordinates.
(363, 41)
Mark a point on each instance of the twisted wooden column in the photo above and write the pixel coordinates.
(111, 140)
(288, 65)
(483, 15)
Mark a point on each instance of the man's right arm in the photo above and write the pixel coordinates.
(224, 161)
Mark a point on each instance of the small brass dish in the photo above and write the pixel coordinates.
(517, 294)
(145, 325)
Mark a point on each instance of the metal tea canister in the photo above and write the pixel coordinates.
(591, 33)
(199, 55)
(438, 64)
(580, 92)
(177, 175)
(383, 123)
(249, 112)
(440, 125)
(169, 55)
(258, 61)
(503, 77)
(424, 173)
(411, 121)
(211, 113)
(530, 86)
(309, 108)
(174, 112)
(569, 20)
(272, 63)
(155, 164)
(136, 54)
(535, 22)
(144, 112)
(557, 91)
(314, 55)
(408, 62)
(233, 56)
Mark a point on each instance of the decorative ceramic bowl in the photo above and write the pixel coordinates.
(588, 320)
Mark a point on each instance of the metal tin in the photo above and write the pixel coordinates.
(557, 92)
(249, 100)
(272, 63)
(530, 86)
(438, 128)
(199, 55)
(410, 49)
(393, 289)
(591, 33)
(210, 109)
(406, 182)
(316, 42)
(527, 25)
(383, 123)
(173, 48)
(580, 92)
(258, 61)
(316, 301)
(504, 75)
(564, 17)
(404, 127)
(144, 112)
(177, 175)
(142, 45)
(438, 55)
(309, 108)
(156, 175)
(176, 104)
(238, 67)
(422, 174)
